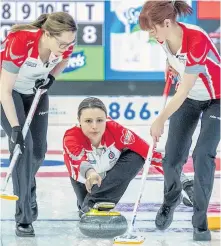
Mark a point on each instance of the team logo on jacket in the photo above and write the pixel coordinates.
(30, 64)
(127, 137)
(55, 60)
(92, 162)
(182, 58)
(111, 155)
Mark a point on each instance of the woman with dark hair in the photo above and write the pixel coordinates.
(101, 151)
(193, 55)
(39, 50)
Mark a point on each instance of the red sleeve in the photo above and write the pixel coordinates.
(74, 153)
(125, 138)
(14, 53)
(197, 54)
(68, 52)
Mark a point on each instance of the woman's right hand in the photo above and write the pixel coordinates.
(92, 178)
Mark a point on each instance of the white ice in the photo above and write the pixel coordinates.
(58, 218)
(57, 223)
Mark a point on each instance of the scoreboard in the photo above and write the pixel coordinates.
(110, 45)
(89, 16)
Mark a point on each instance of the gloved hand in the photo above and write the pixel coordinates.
(16, 138)
(40, 83)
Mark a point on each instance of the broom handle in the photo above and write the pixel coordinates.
(149, 158)
(166, 90)
(143, 181)
(25, 129)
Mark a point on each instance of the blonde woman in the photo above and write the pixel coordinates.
(39, 50)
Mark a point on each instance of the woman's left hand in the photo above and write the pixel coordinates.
(156, 130)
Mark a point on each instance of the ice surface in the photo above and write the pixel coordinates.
(58, 217)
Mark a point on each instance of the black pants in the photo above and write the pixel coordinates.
(182, 126)
(23, 175)
(113, 185)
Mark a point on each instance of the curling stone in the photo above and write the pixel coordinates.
(102, 224)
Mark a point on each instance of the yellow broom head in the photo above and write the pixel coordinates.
(214, 222)
(9, 197)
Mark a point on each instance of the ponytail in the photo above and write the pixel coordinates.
(37, 24)
(155, 12)
(182, 8)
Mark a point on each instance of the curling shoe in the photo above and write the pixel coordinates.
(164, 216)
(201, 235)
(24, 230)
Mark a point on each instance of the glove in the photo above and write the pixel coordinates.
(16, 138)
(39, 83)
(188, 188)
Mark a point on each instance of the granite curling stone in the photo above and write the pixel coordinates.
(102, 224)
